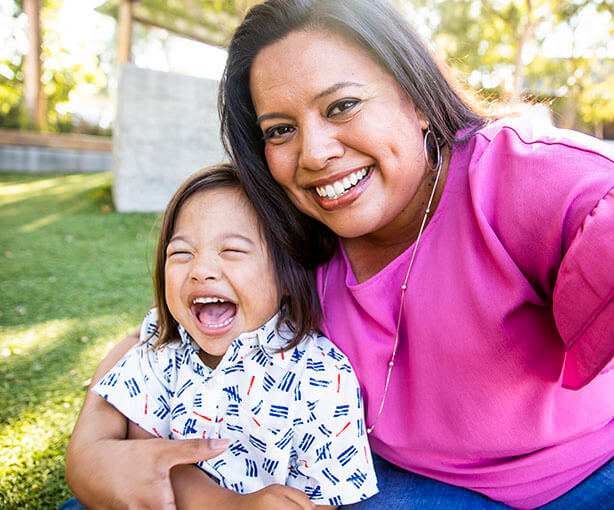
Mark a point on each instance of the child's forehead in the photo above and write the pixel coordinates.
(233, 196)
(232, 200)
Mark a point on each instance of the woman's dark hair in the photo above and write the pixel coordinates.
(299, 304)
(373, 25)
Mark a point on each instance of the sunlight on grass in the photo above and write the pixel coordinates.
(17, 340)
(74, 280)
(42, 222)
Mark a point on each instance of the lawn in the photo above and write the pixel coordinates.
(74, 279)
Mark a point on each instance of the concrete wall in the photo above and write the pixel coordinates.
(166, 128)
(15, 158)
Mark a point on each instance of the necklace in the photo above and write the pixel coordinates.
(437, 168)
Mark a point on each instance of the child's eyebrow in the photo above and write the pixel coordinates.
(178, 237)
(238, 237)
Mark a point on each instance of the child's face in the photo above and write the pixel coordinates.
(219, 277)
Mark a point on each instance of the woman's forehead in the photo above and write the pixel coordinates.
(310, 62)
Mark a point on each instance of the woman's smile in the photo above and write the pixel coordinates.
(342, 191)
(340, 136)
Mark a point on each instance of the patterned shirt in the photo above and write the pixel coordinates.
(293, 418)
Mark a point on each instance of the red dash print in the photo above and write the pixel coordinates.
(256, 421)
(156, 432)
(203, 417)
(204, 432)
(250, 384)
(304, 462)
(282, 355)
(145, 403)
(346, 426)
(366, 456)
(177, 432)
(338, 382)
(220, 420)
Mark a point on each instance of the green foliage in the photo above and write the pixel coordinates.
(504, 45)
(58, 78)
(74, 280)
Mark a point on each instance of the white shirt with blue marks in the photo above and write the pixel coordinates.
(294, 418)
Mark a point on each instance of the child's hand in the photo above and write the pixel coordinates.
(275, 497)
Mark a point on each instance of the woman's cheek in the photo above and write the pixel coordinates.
(277, 166)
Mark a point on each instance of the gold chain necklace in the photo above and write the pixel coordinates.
(437, 168)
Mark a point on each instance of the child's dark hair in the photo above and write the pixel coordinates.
(299, 304)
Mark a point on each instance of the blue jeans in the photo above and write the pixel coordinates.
(402, 490)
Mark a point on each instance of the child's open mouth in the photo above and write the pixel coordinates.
(213, 312)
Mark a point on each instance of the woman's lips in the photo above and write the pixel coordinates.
(341, 193)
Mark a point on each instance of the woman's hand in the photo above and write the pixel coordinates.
(135, 474)
(104, 470)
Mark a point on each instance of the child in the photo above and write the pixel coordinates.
(222, 357)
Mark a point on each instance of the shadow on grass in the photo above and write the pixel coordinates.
(65, 255)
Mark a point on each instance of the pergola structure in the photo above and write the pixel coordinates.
(209, 21)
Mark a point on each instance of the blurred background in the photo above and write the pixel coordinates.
(560, 52)
(105, 106)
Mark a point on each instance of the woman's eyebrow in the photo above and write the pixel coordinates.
(335, 87)
(272, 115)
(330, 90)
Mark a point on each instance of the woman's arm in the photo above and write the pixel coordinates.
(104, 470)
(194, 489)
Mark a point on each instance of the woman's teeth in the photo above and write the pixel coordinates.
(339, 188)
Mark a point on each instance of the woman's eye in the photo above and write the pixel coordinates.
(340, 107)
(277, 132)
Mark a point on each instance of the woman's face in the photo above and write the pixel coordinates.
(340, 136)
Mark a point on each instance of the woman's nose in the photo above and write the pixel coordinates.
(205, 268)
(319, 146)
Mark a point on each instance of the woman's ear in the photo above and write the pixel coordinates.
(424, 121)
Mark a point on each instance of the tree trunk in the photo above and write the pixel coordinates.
(33, 94)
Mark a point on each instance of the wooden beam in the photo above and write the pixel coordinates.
(33, 94)
(124, 39)
(55, 140)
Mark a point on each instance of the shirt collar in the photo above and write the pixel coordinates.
(266, 338)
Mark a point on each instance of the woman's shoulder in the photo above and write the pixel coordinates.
(537, 135)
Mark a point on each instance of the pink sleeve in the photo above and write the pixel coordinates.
(583, 299)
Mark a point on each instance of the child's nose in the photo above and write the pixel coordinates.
(205, 268)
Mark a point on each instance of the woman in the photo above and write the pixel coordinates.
(464, 266)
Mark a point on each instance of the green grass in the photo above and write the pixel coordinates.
(74, 280)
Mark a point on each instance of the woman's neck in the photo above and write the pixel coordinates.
(371, 253)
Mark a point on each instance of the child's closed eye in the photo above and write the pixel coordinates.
(177, 253)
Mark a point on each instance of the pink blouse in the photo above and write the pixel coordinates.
(503, 381)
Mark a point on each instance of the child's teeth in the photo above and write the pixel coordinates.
(225, 323)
